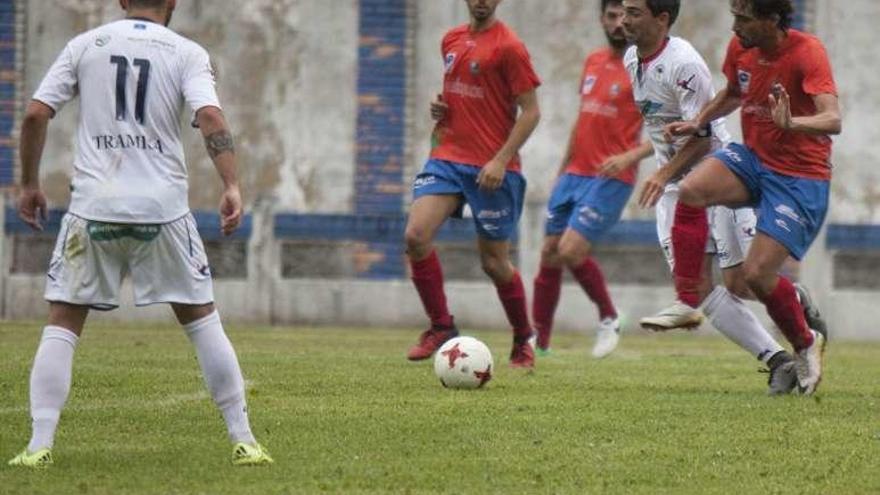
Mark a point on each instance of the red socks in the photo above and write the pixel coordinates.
(427, 275)
(783, 306)
(513, 298)
(690, 231)
(548, 284)
(589, 275)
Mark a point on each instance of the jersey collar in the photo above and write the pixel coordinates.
(142, 19)
(650, 58)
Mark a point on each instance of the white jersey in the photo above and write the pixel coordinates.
(671, 86)
(133, 78)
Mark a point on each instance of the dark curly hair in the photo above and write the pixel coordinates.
(605, 3)
(764, 9)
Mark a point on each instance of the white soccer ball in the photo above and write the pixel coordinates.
(463, 362)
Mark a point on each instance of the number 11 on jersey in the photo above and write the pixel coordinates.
(143, 66)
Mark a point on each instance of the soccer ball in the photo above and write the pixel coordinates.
(463, 362)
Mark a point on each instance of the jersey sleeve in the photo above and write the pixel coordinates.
(693, 88)
(518, 69)
(198, 83)
(816, 69)
(60, 85)
(729, 67)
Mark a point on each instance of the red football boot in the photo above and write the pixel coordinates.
(430, 340)
(522, 355)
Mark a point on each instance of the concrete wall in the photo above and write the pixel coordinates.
(281, 63)
(287, 76)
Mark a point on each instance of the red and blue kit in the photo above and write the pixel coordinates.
(484, 73)
(609, 123)
(801, 66)
(787, 173)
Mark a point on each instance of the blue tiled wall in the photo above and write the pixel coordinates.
(381, 131)
(8, 78)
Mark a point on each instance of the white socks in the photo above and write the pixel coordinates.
(50, 384)
(222, 374)
(737, 322)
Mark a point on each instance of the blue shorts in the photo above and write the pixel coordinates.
(496, 213)
(588, 205)
(791, 210)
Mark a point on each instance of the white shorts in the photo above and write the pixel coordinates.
(730, 231)
(167, 263)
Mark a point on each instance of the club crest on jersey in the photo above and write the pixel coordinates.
(475, 67)
(587, 86)
(449, 61)
(615, 89)
(744, 78)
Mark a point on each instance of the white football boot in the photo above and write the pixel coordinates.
(679, 315)
(607, 337)
(808, 362)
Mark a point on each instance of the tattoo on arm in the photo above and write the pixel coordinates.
(219, 142)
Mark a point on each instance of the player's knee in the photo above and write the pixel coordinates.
(549, 252)
(757, 279)
(496, 268)
(416, 239)
(574, 250)
(691, 196)
(573, 255)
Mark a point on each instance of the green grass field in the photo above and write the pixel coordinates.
(342, 411)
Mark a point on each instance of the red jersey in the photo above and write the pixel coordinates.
(801, 66)
(609, 122)
(485, 72)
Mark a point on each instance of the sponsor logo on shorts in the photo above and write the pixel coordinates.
(587, 215)
(732, 155)
(788, 211)
(781, 224)
(488, 227)
(424, 181)
(493, 214)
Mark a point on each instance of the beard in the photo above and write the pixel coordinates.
(617, 41)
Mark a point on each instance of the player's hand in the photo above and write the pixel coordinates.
(678, 129)
(32, 207)
(613, 165)
(780, 106)
(491, 175)
(653, 189)
(230, 210)
(438, 108)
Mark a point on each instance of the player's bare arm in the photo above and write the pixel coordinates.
(616, 164)
(492, 174)
(826, 121)
(723, 104)
(439, 108)
(31, 200)
(221, 148)
(569, 150)
(693, 150)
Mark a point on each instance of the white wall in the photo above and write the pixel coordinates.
(287, 71)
